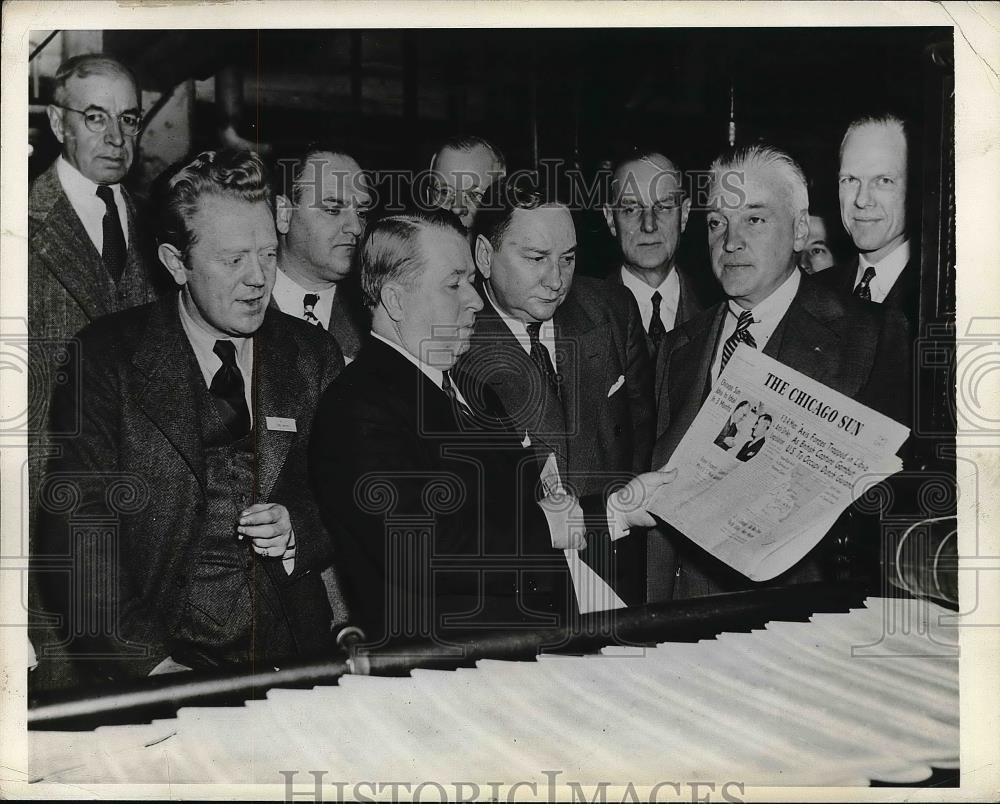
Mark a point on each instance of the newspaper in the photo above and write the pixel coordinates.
(770, 462)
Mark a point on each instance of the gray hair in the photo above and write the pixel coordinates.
(761, 156)
(86, 65)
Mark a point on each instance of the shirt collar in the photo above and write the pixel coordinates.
(774, 307)
(517, 327)
(76, 185)
(667, 288)
(203, 341)
(892, 264)
(435, 375)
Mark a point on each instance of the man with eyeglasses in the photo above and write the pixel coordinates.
(461, 172)
(84, 239)
(84, 257)
(647, 214)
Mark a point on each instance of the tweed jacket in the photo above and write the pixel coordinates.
(68, 284)
(137, 410)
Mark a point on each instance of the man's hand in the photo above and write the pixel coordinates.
(630, 502)
(269, 528)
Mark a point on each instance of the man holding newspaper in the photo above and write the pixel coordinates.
(790, 340)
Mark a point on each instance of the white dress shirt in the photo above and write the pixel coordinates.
(887, 271)
(767, 314)
(203, 343)
(670, 297)
(546, 334)
(289, 296)
(82, 195)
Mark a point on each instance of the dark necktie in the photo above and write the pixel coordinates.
(309, 302)
(540, 356)
(741, 335)
(656, 328)
(863, 290)
(115, 251)
(228, 389)
(449, 391)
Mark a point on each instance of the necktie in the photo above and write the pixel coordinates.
(114, 251)
(741, 335)
(449, 391)
(228, 389)
(656, 328)
(309, 302)
(540, 355)
(863, 290)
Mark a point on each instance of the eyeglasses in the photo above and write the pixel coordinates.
(97, 120)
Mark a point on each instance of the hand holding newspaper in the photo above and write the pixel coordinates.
(770, 462)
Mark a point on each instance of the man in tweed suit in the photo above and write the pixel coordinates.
(84, 249)
(201, 404)
(84, 240)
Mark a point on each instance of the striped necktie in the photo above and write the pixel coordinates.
(741, 335)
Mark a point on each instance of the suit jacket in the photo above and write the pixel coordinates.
(432, 511)
(903, 296)
(347, 322)
(137, 419)
(601, 430)
(854, 347)
(688, 305)
(602, 427)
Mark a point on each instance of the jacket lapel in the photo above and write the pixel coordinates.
(276, 377)
(581, 359)
(342, 324)
(167, 397)
(67, 250)
(690, 370)
(803, 339)
(498, 360)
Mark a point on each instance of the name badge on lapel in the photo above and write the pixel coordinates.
(281, 423)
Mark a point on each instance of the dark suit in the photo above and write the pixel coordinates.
(688, 305)
(903, 296)
(347, 322)
(854, 347)
(599, 341)
(421, 499)
(144, 412)
(597, 439)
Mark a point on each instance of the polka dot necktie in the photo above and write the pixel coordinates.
(863, 290)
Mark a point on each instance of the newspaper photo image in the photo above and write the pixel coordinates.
(769, 464)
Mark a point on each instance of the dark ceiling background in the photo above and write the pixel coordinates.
(570, 94)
